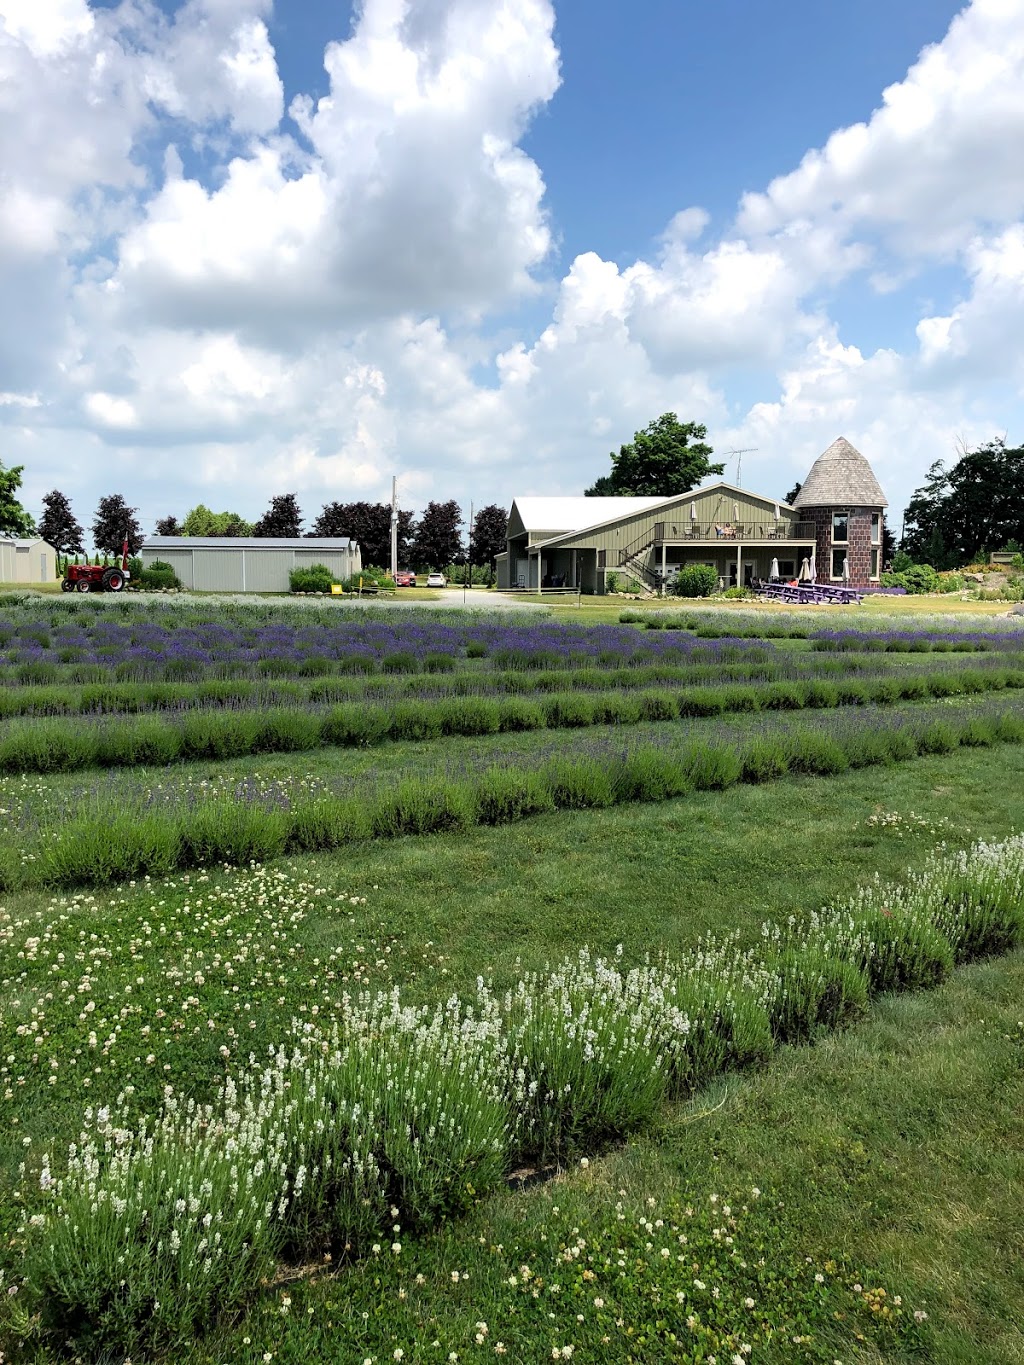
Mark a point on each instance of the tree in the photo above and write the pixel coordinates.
(438, 539)
(888, 541)
(667, 457)
(168, 526)
(14, 520)
(490, 530)
(202, 522)
(59, 527)
(114, 524)
(282, 518)
(962, 512)
(368, 523)
(793, 493)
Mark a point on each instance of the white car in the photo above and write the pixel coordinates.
(436, 580)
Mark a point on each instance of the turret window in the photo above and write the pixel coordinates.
(876, 528)
(840, 528)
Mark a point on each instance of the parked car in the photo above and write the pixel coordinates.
(436, 580)
(405, 578)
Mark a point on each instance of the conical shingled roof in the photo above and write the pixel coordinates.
(841, 477)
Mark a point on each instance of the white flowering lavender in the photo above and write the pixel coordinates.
(587, 1043)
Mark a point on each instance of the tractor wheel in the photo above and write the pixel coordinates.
(83, 585)
(113, 580)
(66, 585)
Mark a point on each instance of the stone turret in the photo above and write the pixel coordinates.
(844, 501)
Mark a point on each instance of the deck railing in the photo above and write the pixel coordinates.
(732, 530)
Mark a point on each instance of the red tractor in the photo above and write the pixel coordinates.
(97, 577)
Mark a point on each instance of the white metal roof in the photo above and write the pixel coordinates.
(575, 514)
(247, 543)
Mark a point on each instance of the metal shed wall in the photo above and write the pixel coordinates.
(235, 568)
(27, 561)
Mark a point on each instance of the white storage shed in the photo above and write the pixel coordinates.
(27, 561)
(249, 563)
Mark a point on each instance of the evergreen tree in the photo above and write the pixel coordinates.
(369, 524)
(58, 525)
(282, 518)
(438, 540)
(14, 520)
(114, 524)
(490, 531)
(667, 457)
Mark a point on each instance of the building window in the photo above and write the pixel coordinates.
(840, 527)
(838, 556)
(876, 556)
(787, 568)
(602, 556)
(876, 528)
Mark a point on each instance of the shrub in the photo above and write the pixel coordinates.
(815, 992)
(314, 578)
(504, 795)
(583, 1037)
(695, 580)
(157, 574)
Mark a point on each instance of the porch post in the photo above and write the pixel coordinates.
(739, 565)
(575, 571)
(663, 568)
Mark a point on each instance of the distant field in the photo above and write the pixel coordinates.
(419, 800)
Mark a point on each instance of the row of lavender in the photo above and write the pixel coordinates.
(40, 651)
(128, 826)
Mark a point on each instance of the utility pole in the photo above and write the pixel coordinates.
(468, 579)
(394, 527)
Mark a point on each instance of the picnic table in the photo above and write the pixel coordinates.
(833, 594)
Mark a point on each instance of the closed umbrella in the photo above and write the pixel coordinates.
(814, 567)
(805, 571)
(693, 511)
(773, 572)
(778, 512)
(735, 511)
(846, 571)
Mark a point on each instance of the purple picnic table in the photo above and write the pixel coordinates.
(834, 594)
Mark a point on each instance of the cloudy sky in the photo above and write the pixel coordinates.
(247, 249)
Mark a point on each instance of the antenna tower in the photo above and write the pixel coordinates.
(747, 450)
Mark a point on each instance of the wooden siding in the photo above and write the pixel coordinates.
(714, 504)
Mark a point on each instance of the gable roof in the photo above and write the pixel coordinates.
(574, 514)
(630, 506)
(246, 543)
(841, 475)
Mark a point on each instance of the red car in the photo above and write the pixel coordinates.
(405, 578)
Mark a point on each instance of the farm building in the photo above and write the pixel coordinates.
(249, 563)
(27, 561)
(833, 533)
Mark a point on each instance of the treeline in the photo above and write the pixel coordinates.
(437, 539)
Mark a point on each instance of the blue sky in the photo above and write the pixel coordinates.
(495, 237)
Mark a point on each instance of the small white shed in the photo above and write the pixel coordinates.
(27, 561)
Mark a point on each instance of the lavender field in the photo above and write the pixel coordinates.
(244, 844)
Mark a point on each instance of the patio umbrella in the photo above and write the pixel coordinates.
(805, 571)
(814, 567)
(778, 512)
(773, 572)
(735, 511)
(693, 511)
(846, 571)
